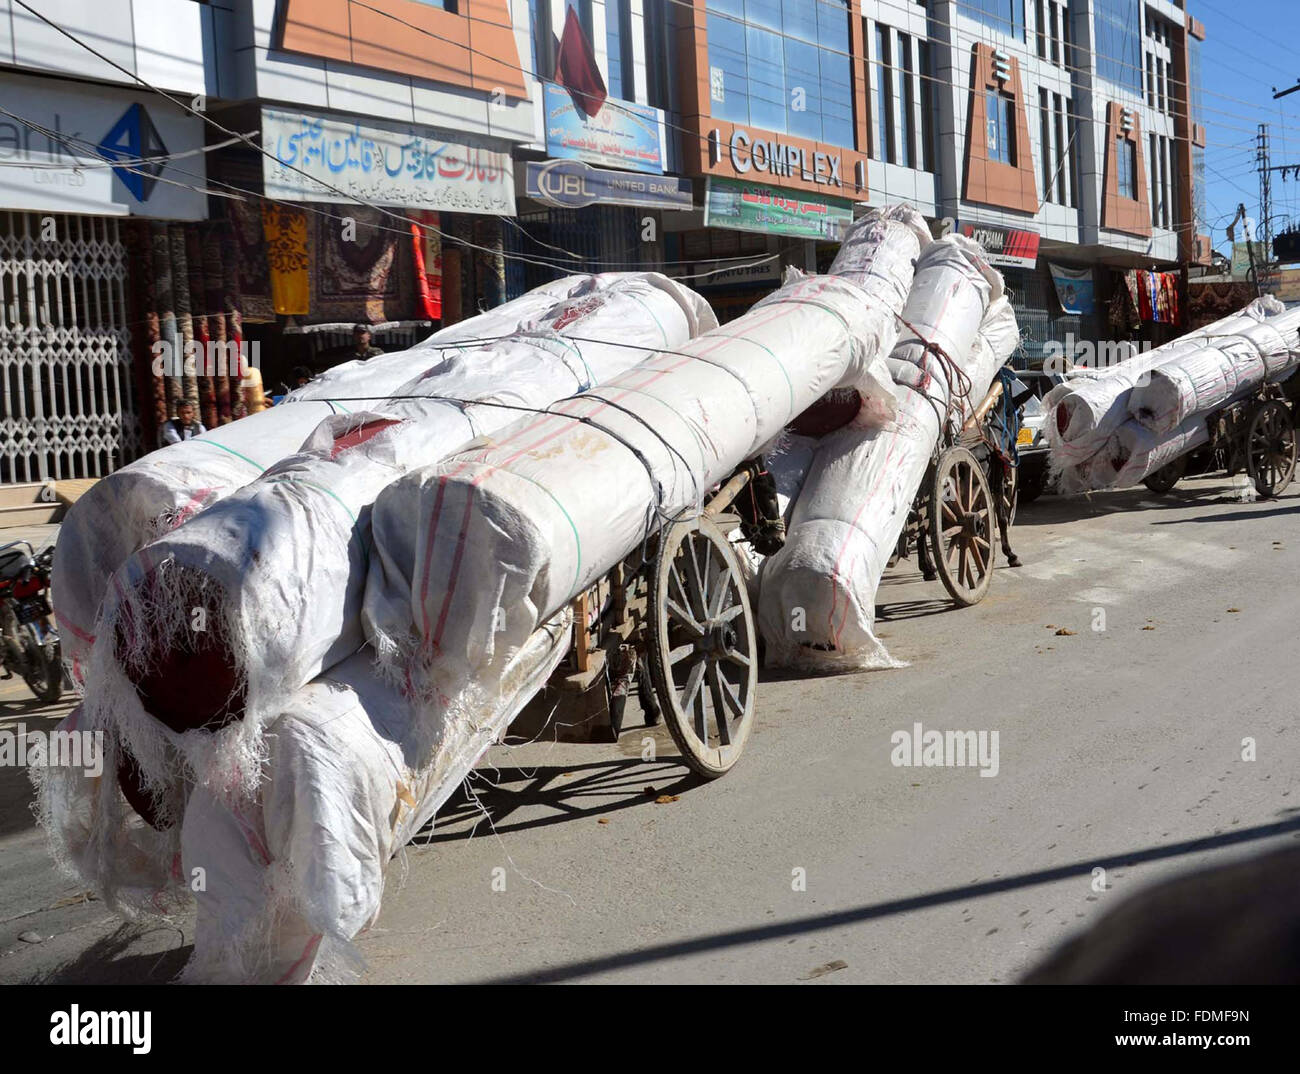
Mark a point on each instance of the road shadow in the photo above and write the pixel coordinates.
(873, 911)
(1059, 510)
(570, 792)
(1266, 511)
(896, 610)
(106, 961)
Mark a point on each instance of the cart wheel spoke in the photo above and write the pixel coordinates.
(728, 614)
(719, 706)
(730, 695)
(691, 690)
(682, 616)
(682, 650)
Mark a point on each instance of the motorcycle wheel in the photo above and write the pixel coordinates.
(44, 674)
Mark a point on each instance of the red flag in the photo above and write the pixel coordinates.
(575, 67)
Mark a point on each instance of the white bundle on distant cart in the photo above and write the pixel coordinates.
(1209, 378)
(152, 496)
(1169, 405)
(817, 594)
(217, 624)
(472, 555)
(1084, 411)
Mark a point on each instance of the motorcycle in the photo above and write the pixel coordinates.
(29, 644)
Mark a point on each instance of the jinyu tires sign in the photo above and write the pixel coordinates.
(743, 206)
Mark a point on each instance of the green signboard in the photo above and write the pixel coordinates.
(757, 207)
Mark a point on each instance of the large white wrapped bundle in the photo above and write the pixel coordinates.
(1092, 404)
(1200, 381)
(130, 507)
(472, 555)
(293, 871)
(1135, 451)
(275, 572)
(294, 874)
(1132, 453)
(817, 595)
(1211, 377)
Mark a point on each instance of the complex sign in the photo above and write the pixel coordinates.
(1004, 246)
(620, 135)
(570, 184)
(755, 207)
(315, 158)
(106, 153)
(781, 160)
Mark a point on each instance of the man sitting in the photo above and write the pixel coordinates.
(363, 348)
(185, 426)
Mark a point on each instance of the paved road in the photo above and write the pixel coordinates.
(1119, 749)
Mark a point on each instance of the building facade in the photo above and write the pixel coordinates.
(418, 160)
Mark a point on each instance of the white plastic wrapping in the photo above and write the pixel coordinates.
(132, 506)
(277, 569)
(817, 594)
(1085, 410)
(293, 874)
(472, 555)
(1211, 377)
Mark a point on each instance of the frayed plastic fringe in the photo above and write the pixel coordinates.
(139, 624)
(97, 841)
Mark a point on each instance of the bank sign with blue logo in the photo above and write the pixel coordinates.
(570, 184)
(105, 152)
(622, 134)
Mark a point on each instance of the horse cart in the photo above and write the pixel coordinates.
(1255, 435)
(967, 501)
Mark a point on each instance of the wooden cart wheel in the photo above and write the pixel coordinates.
(963, 526)
(702, 648)
(1162, 480)
(1271, 449)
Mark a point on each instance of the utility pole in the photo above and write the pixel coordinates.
(1265, 201)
